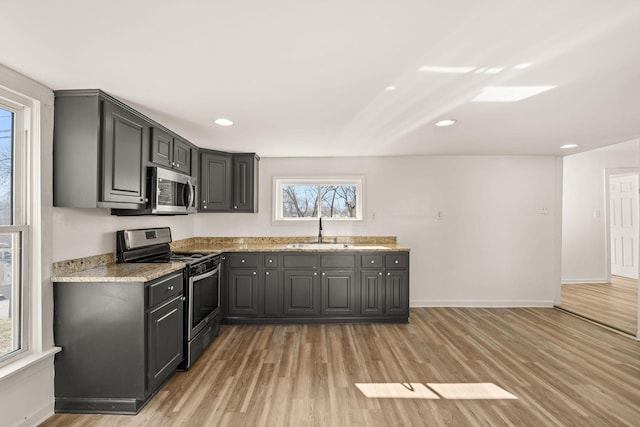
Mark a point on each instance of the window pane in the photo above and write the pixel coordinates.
(6, 167)
(338, 201)
(299, 201)
(9, 293)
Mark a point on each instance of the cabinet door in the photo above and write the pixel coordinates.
(243, 292)
(272, 293)
(338, 292)
(124, 153)
(215, 182)
(372, 292)
(301, 292)
(397, 292)
(161, 147)
(244, 183)
(181, 156)
(165, 335)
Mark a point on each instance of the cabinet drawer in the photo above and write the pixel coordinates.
(300, 261)
(271, 261)
(164, 289)
(372, 261)
(243, 260)
(337, 261)
(397, 260)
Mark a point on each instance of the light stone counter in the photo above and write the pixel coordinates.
(71, 271)
(102, 268)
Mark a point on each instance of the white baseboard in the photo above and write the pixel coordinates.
(482, 303)
(576, 281)
(39, 416)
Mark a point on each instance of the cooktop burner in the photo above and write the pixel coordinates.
(188, 256)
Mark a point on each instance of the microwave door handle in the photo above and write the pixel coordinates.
(191, 195)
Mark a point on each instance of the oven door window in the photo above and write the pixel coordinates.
(204, 298)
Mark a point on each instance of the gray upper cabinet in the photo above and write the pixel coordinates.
(170, 151)
(215, 181)
(245, 182)
(100, 152)
(228, 182)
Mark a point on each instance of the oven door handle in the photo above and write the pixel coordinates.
(205, 275)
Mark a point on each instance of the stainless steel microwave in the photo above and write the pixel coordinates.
(168, 193)
(171, 193)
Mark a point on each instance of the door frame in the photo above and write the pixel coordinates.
(608, 172)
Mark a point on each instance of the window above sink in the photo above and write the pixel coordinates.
(331, 198)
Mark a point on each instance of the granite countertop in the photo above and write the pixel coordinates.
(103, 268)
(217, 245)
(142, 272)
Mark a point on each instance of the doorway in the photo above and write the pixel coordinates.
(601, 236)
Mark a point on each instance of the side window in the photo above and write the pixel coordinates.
(12, 229)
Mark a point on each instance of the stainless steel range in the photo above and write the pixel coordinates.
(201, 283)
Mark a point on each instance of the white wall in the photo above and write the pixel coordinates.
(80, 233)
(584, 255)
(492, 246)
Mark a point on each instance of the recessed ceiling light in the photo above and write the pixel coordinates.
(569, 146)
(445, 70)
(509, 93)
(223, 122)
(445, 122)
(493, 70)
(390, 88)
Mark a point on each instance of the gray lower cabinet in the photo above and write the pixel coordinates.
(301, 292)
(384, 284)
(312, 286)
(120, 342)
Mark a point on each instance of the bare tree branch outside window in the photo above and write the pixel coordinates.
(332, 201)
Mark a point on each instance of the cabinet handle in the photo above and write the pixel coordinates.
(315, 274)
(396, 261)
(324, 274)
(255, 272)
(388, 274)
(204, 201)
(270, 261)
(170, 288)
(380, 273)
(205, 207)
(177, 165)
(267, 273)
(242, 261)
(373, 262)
(235, 207)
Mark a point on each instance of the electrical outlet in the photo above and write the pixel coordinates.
(544, 211)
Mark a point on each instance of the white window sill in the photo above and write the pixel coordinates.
(25, 362)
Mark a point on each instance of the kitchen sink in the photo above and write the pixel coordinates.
(319, 246)
(334, 246)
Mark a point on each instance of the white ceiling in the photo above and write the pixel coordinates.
(308, 78)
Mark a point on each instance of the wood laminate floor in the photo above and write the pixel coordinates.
(562, 370)
(613, 304)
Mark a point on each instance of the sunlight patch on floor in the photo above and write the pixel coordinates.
(470, 391)
(434, 391)
(396, 390)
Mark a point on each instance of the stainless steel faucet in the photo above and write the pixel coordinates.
(320, 231)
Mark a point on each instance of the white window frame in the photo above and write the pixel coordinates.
(279, 182)
(21, 107)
